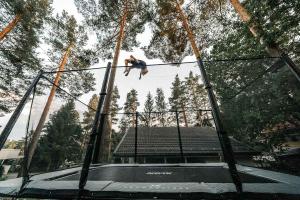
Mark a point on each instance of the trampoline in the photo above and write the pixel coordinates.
(156, 181)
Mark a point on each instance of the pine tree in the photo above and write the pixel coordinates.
(115, 137)
(28, 15)
(197, 100)
(178, 100)
(130, 106)
(148, 116)
(67, 40)
(61, 141)
(88, 118)
(124, 125)
(115, 106)
(161, 108)
(20, 33)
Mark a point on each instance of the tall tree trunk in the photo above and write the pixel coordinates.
(190, 34)
(256, 30)
(184, 116)
(10, 26)
(38, 130)
(103, 154)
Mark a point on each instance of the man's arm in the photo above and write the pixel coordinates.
(126, 62)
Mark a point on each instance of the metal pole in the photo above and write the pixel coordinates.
(135, 136)
(97, 141)
(222, 134)
(292, 66)
(15, 116)
(90, 147)
(25, 169)
(99, 131)
(179, 136)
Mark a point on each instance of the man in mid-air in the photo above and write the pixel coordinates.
(135, 63)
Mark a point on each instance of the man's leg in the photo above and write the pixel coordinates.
(144, 71)
(127, 70)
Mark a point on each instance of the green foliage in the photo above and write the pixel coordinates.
(161, 107)
(89, 115)
(148, 117)
(279, 21)
(114, 117)
(114, 107)
(197, 100)
(104, 17)
(88, 119)
(270, 104)
(169, 40)
(179, 100)
(61, 140)
(130, 106)
(177, 94)
(18, 51)
(64, 32)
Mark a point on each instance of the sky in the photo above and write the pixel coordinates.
(157, 77)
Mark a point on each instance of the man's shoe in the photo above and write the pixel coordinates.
(145, 72)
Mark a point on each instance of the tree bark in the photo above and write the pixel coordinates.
(10, 26)
(190, 34)
(191, 39)
(103, 154)
(38, 130)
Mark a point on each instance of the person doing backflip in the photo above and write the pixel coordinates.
(135, 63)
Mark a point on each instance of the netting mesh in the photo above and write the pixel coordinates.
(257, 100)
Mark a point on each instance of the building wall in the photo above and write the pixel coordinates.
(245, 160)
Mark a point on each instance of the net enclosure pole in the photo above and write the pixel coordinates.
(135, 136)
(222, 134)
(97, 141)
(223, 137)
(292, 66)
(25, 169)
(90, 147)
(15, 116)
(179, 136)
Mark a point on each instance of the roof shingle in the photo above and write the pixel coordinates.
(156, 141)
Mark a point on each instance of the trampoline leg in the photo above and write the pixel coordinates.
(179, 137)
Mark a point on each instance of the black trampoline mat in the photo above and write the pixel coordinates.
(174, 174)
